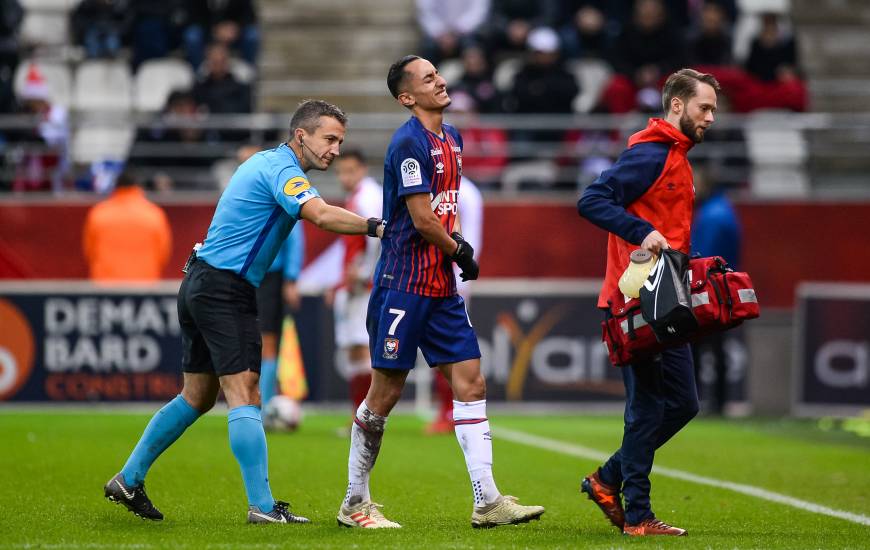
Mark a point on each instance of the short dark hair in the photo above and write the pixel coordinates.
(684, 85)
(356, 154)
(396, 76)
(179, 96)
(307, 115)
(127, 178)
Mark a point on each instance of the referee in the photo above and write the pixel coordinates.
(217, 307)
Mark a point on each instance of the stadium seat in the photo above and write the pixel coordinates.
(98, 141)
(503, 76)
(57, 76)
(451, 70)
(49, 5)
(779, 153)
(45, 28)
(156, 79)
(241, 69)
(542, 173)
(591, 75)
(103, 86)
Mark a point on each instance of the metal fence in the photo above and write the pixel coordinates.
(765, 154)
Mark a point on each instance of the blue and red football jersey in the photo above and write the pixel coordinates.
(419, 161)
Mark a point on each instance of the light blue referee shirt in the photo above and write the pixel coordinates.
(291, 255)
(256, 212)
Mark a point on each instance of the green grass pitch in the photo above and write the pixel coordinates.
(53, 466)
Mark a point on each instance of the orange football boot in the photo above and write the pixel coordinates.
(606, 497)
(652, 526)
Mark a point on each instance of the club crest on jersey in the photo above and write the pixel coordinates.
(411, 175)
(391, 348)
(296, 185)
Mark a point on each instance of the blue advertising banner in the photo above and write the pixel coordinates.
(84, 343)
(832, 349)
(78, 342)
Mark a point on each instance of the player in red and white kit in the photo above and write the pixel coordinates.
(471, 214)
(364, 197)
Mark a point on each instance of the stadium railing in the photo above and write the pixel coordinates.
(767, 154)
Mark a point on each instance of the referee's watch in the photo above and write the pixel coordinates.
(373, 224)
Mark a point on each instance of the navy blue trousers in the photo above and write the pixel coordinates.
(660, 398)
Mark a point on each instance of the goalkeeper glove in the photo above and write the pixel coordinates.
(464, 258)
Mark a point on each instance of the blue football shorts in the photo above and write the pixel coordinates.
(399, 322)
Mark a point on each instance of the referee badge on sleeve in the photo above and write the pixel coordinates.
(391, 348)
(411, 175)
(296, 186)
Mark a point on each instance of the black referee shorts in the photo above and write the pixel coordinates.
(217, 311)
(270, 303)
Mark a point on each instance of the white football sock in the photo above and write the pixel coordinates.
(472, 431)
(365, 443)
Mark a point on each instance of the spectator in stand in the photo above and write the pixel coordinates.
(773, 54)
(542, 85)
(510, 22)
(711, 44)
(217, 89)
(471, 222)
(649, 42)
(449, 26)
(39, 154)
(645, 51)
(477, 81)
(153, 31)
(588, 28)
(170, 155)
(364, 197)
(484, 148)
(99, 26)
(11, 15)
(126, 237)
(232, 23)
(771, 76)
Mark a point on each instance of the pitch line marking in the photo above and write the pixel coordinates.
(579, 451)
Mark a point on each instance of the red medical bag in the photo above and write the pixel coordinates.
(721, 299)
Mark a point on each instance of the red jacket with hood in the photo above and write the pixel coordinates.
(648, 188)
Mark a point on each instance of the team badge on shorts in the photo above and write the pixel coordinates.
(391, 348)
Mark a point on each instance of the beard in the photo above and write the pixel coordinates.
(690, 129)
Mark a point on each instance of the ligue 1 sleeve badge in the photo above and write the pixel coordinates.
(391, 348)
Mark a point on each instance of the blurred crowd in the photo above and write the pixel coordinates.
(218, 39)
(549, 57)
(596, 56)
(640, 41)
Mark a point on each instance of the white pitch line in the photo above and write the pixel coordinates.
(757, 492)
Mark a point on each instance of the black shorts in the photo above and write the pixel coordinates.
(270, 303)
(217, 311)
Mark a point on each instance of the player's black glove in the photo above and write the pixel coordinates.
(372, 226)
(464, 258)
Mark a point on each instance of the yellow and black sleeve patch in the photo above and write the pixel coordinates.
(296, 185)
